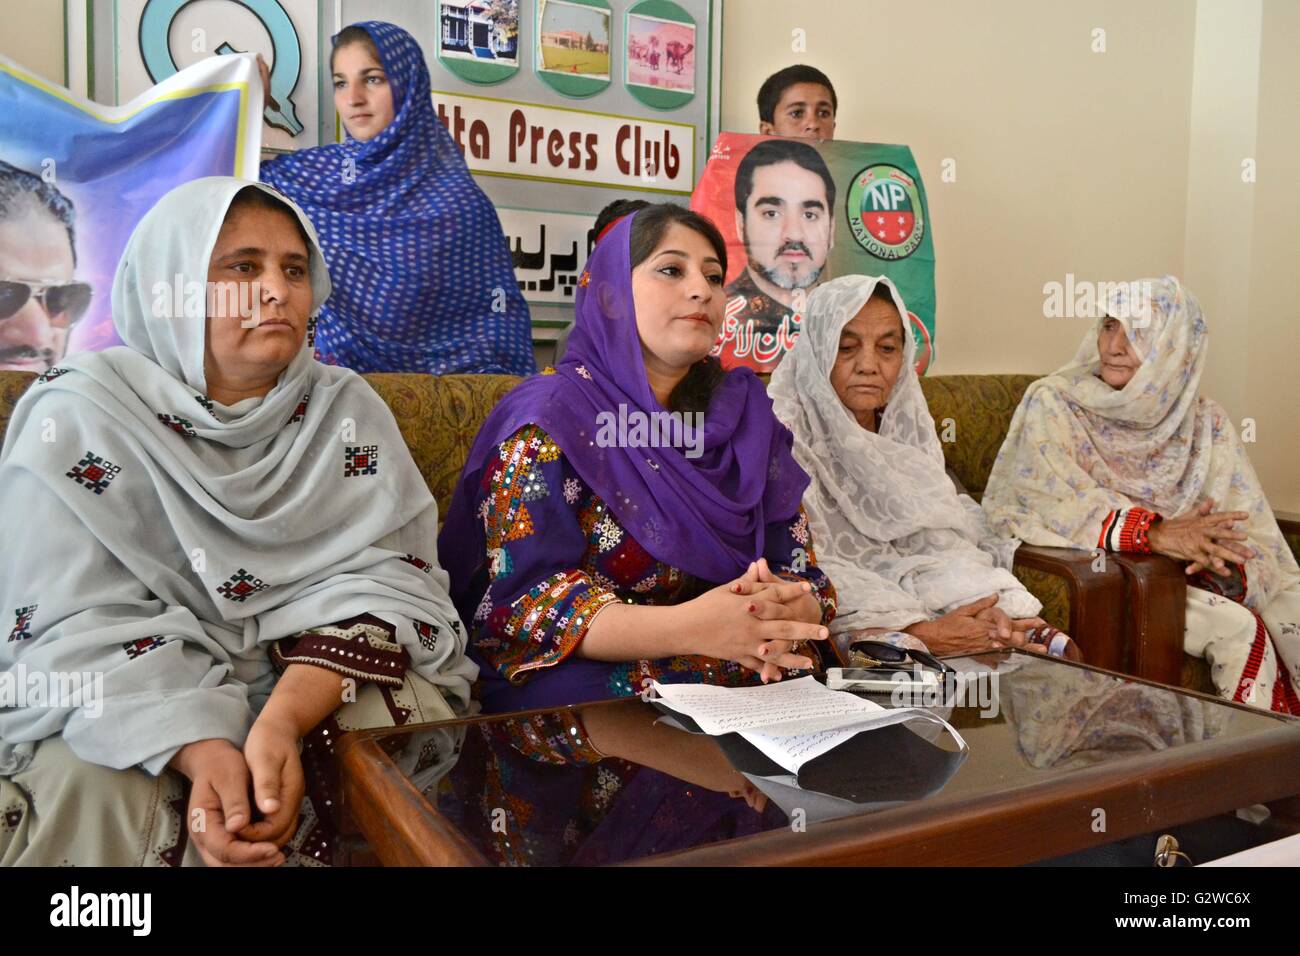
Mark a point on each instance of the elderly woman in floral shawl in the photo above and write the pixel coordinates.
(1118, 450)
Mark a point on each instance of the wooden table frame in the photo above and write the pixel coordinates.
(1022, 824)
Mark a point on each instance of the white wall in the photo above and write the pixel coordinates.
(31, 33)
(1268, 331)
(1109, 165)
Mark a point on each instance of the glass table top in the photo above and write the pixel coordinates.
(612, 782)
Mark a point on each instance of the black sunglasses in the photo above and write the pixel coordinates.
(881, 654)
(66, 302)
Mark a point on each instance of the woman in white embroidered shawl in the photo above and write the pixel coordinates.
(225, 538)
(906, 552)
(1118, 450)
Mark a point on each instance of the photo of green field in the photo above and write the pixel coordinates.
(573, 39)
(567, 60)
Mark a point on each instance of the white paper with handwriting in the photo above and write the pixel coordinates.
(791, 722)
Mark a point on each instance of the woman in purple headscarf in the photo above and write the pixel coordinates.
(634, 513)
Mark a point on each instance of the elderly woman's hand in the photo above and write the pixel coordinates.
(219, 807)
(999, 622)
(963, 630)
(1202, 536)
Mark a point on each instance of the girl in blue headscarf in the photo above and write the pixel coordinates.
(423, 280)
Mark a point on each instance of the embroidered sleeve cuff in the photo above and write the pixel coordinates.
(1127, 530)
(828, 600)
(553, 738)
(362, 647)
(552, 618)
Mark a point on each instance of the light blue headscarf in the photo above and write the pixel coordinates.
(160, 540)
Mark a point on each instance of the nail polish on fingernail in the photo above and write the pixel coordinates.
(751, 607)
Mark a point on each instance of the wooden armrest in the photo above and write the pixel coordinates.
(1156, 616)
(381, 802)
(1289, 522)
(1096, 600)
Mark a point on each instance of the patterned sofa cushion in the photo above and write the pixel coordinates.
(439, 416)
(1052, 589)
(12, 386)
(974, 412)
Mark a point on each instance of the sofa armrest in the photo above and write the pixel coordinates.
(1096, 600)
(1156, 615)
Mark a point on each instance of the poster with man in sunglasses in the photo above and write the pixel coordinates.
(40, 298)
(75, 178)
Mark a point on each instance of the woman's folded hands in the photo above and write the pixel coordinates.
(758, 620)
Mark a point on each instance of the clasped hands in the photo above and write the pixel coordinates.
(220, 814)
(758, 620)
(1206, 538)
(978, 626)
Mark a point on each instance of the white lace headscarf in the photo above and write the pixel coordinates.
(891, 532)
(1078, 449)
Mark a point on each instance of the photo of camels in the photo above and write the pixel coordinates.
(660, 53)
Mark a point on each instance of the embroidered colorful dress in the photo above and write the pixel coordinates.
(557, 556)
(550, 523)
(1089, 466)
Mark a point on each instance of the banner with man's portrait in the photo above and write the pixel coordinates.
(795, 213)
(76, 177)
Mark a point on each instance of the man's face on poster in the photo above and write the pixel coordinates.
(34, 248)
(787, 225)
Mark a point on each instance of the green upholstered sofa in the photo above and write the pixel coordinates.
(1126, 612)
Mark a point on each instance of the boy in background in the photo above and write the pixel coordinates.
(797, 101)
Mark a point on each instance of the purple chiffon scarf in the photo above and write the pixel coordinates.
(705, 515)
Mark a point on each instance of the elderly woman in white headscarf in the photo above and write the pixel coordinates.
(905, 550)
(217, 541)
(1118, 450)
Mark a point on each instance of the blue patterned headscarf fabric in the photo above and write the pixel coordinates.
(423, 280)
